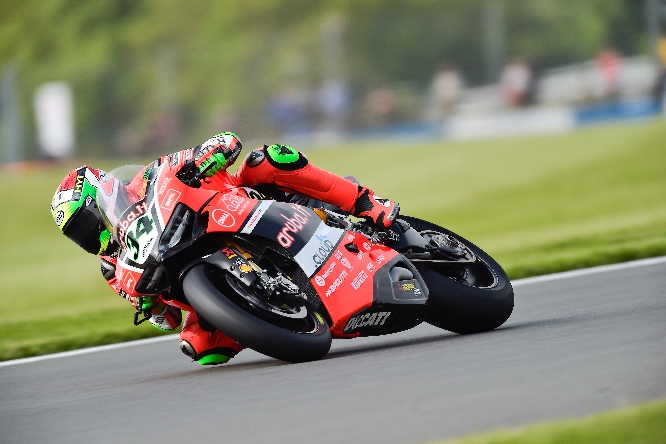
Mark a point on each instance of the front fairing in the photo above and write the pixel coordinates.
(137, 212)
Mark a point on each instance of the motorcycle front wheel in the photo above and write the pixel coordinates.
(469, 290)
(290, 330)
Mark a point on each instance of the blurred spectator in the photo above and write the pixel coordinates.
(446, 91)
(380, 104)
(608, 64)
(660, 90)
(289, 112)
(333, 103)
(514, 83)
(531, 93)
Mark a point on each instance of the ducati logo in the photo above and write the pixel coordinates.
(367, 320)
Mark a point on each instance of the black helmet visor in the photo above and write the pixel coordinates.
(85, 227)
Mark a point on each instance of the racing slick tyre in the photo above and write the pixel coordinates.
(289, 330)
(469, 296)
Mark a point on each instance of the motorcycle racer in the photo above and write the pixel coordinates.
(278, 171)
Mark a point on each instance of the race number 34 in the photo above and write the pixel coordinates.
(144, 226)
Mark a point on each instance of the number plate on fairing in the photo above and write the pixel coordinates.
(140, 228)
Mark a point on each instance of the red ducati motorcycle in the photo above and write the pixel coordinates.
(284, 278)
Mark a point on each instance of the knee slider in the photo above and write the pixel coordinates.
(284, 157)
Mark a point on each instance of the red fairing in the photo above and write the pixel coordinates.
(229, 211)
(345, 281)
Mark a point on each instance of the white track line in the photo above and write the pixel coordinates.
(516, 283)
(588, 271)
(85, 351)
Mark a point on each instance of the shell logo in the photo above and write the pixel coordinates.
(223, 218)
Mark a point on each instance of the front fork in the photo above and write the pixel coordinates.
(280, 284)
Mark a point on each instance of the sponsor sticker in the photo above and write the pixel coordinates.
(336, 283)
(165, 182)
(233, 202)
(294, 224)
(130, 283)
(256, 216)
(318, 249)
(325, 248)
(321, 279)
(380, 259)
(359, 279)
(409, 286)
(367, 246)
(170, 199)
(367, 320)
(78, 186)
(229, 253)
(371, 267)
(59, 217)
(223, 218)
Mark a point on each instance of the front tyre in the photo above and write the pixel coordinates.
(291, 332)
(465, 297)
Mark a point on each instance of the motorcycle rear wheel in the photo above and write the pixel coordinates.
(291, 332)
(464, 298)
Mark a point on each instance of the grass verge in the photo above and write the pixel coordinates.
(536, 204)
(644, 424)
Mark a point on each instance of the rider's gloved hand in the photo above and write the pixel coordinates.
(381, 212)
(216, 154)
(163, 316)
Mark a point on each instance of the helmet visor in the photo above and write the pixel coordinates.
(85, 228)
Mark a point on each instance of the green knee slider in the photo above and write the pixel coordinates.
(285, 157)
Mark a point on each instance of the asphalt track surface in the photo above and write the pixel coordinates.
(576, 344)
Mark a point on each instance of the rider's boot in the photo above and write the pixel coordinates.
(204, 344)
(283, 167)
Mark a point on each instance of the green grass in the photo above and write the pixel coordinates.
(644, 424)
(538, 205)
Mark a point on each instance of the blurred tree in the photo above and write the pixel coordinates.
(231, 54)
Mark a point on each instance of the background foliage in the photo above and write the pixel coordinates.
(132, 61)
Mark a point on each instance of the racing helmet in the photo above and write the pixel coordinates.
(75, 211)
(218, 152)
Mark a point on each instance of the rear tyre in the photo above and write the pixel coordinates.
(290, 331)
(464, 298)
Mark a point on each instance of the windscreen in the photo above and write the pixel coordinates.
(114, 198)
